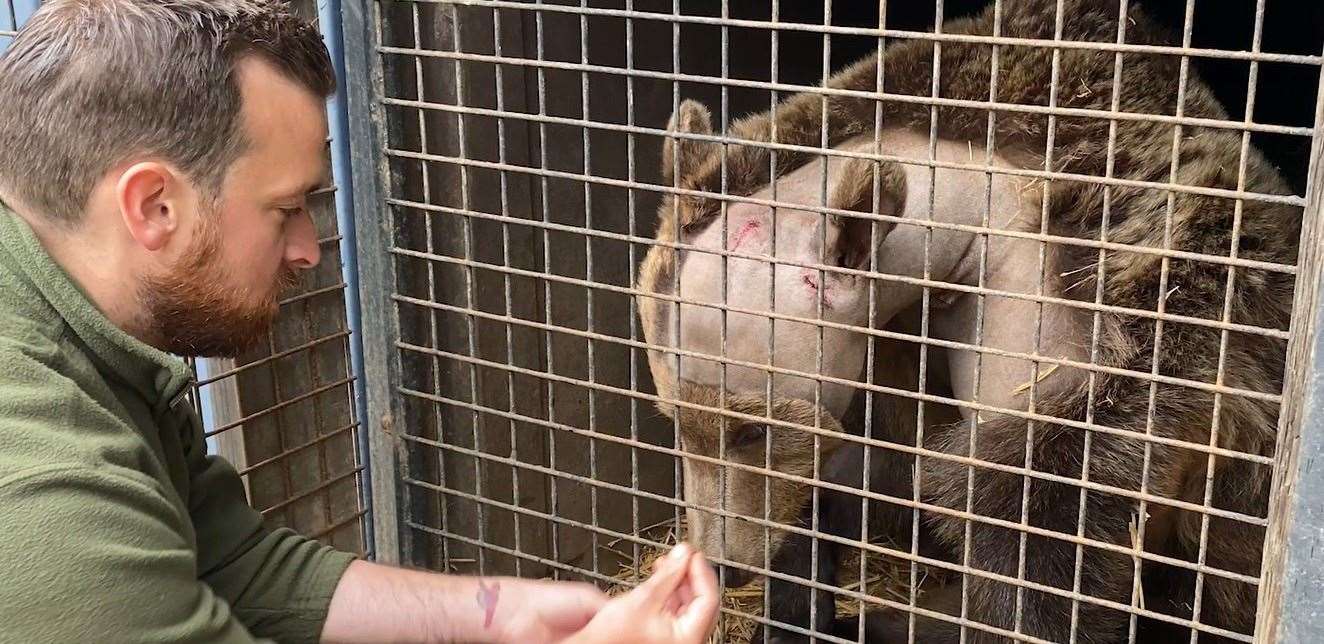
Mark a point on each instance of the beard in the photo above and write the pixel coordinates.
(195, 310)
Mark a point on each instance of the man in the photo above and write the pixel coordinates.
(155, 159)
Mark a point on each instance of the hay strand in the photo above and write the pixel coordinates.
(885, 577)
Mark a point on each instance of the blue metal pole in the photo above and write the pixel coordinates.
(338, 116)
(23, 9)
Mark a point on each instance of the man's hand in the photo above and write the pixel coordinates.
(677, 605)
(376, 603)
(539, 611)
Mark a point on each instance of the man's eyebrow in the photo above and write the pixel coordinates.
(321, 185)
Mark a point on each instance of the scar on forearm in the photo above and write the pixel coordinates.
(487, 600)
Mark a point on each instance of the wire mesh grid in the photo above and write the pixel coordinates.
(283, 414)
(997, 352)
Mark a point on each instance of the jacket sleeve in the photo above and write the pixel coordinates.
(91, 554)
(278, 583)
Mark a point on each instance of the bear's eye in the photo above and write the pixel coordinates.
(748, 434)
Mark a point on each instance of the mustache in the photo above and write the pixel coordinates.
(287, 280)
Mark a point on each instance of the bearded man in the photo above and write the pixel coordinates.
(156, 158)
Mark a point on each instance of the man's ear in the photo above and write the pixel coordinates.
(150, 196)
(686, 155)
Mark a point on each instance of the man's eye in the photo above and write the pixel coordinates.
(291, 213)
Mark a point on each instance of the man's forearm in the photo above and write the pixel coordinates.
(375, 603)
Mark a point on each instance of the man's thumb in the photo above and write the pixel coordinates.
(667, 575)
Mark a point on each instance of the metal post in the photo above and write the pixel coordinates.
(1291, 602)
(329, 16)
(375, 237)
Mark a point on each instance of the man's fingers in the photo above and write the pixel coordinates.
(668, 573)
(702, 580)
(685, 592)
(673, 604)
(695, 621)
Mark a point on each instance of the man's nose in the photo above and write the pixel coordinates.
(301, 248)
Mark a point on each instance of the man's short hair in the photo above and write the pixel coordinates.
(89, 84)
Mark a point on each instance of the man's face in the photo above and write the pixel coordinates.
(245, 248)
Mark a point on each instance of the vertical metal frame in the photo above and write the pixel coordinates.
(373, 241)
(338, 117)
(1291, 601)
(1292, 579)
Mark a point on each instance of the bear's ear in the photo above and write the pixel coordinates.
(856, 190)
(686, 155)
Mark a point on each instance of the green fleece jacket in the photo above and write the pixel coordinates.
(115, 524)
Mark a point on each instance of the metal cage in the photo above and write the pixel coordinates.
(511, 153)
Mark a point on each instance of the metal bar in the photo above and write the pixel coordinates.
(297, 448)
(470, 293)
(1076, 112)
(286, 474)
(630, 204)
(771, 369)
(1139, 375)
(557, 520)
(773, 474)
(772, 299)
(725, 283)
(987, 166)
(1198, 447)
(620, 536)
(964, 460)
(1096, 323)
(9, 23)
(281, 405)
(980, 303)
(1096, 307)
(1065, 241)
(381, 363)
(308, 295)
(816, 465)
(425, 180)
(549, 364)
(936, 563)
(883, 277)
(590, 357)
(1290, 604)
(674, 312)
(229, 373)
(1030, 428)
(551, 563)
(361, 514)
(319, 421)
(9, 28)
(505, 281)
(311, 491)
(900, 33)
(1228, 295)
